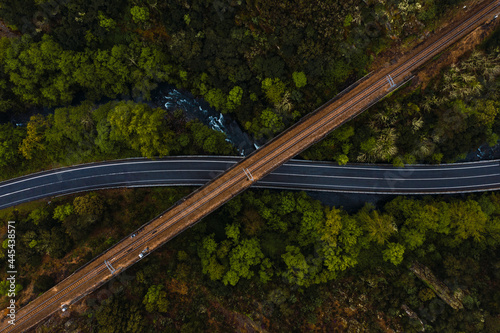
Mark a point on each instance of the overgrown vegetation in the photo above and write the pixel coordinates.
(279, 261)
(456, 113)
(114, 130)
(283, 259)
(267, 63)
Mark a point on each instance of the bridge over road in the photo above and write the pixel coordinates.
(242, 175)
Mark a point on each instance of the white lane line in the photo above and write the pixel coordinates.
(294, 163)
(371, 167)
(200, 181)
(368, 168)
(72, 169)
(312, 176)
(388, 178)
(104, 175)
(375, 190)
(108, 185)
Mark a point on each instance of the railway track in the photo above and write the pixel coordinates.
(242, 175)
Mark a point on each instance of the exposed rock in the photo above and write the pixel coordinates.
(441, 290)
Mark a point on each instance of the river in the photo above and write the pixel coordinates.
(169, 97)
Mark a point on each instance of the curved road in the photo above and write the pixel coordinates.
(191, 209)
(295, 175)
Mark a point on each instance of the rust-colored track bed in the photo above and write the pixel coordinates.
(206, 199)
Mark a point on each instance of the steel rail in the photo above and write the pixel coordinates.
(259, 164)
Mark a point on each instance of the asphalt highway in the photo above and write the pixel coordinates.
(188, 211)
(293, 175)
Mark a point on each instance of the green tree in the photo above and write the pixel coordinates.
(286, 203)
(300, 79)
(120, 315)
(208, 255)
(56, 243)
(271, 122)
(233, 231)
(379, 227)
(106, 22)
(38, 215)
(156, 299)
(89, 204)
(266, 270)
(5, 286)
(274, 89)
(34, 140)
(394, 253)
(338, 71)
(342, 159)
(142, 128)
(348, 20)
(139, 14)
(213, 268)
(73, 123)
(209, 245)
(309, 226)
(426, 294)
(234, 98)
(216, 99)
(413, 238)
(298, 268)
(10, 139)
(6, 96)
(332, 226)
(340, 244)
(72, 132)
(467, 221)
(241, 259)
(486, 111)
(212, 142)
(33, 69)
(62, 212)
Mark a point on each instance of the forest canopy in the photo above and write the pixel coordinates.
(267, 246)
(85, 71)
(89, 132)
